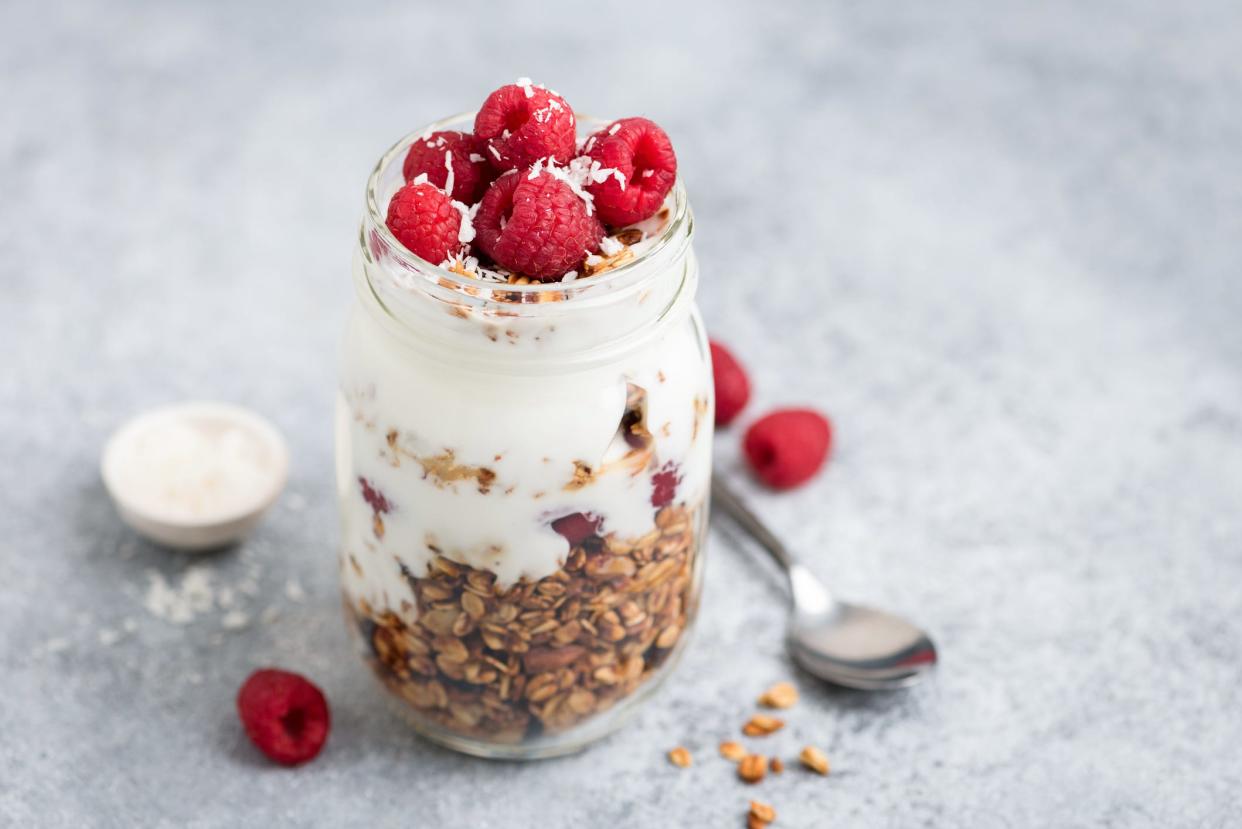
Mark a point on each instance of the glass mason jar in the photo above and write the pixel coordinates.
(523, 474)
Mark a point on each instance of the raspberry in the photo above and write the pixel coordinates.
(520, 124)
(787, 447)
(664, 485)
(373, 496)
(284, 715)
(425, 221)
(471, 172)
(578, 527)
(537, 227)
(732, 387)
(639, 150)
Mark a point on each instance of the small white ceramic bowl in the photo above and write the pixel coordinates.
(209, 529)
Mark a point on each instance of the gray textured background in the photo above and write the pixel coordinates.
(1001, 248)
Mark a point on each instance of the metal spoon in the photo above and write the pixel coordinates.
(841, 643)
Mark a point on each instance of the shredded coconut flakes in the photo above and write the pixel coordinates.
(448, 179)
(610, 246)
(577, 174)
(465, 234)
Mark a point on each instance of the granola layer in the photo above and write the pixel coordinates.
(509, 663)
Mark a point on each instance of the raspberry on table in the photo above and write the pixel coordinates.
(641, 152)
(732, 386)
(535, 224)
(521, 123)
(424, 219)
(434, 155)
(787, 447)
(284, 715)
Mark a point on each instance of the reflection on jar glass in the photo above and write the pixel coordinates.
(523, 473)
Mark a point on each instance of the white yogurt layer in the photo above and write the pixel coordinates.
(420, 429)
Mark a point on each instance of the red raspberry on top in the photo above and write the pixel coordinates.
(436, 153)
(522, 123)
(787, 447)
(424, 219)
(641, 152)
(284, 715)
(535, 224)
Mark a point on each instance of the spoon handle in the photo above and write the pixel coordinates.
(727, 500)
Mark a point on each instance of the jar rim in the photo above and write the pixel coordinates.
(434, 274)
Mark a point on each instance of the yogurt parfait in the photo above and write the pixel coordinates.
(524, 424)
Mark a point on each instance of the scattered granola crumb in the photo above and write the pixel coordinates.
(762, 812)
(680, 757)
(761, 725)
(777, 765)
(732, 751)
(780, 695)
(752, 768)
(815, 760)
(269, 615)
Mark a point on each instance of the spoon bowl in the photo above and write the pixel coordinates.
(846, 644)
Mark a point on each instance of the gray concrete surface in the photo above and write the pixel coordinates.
(999, 246)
